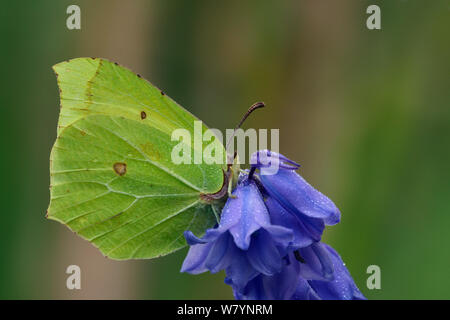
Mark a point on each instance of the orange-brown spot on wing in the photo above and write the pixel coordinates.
(150, 150)
(143, 115)
(120, 168)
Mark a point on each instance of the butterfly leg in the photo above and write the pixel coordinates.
(216, 213)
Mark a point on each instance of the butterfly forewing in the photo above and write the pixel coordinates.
(112, 177)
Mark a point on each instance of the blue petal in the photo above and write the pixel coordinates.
(210, 235)
(304, 233)
(192, 239)
(220, 254)
(206, 253)
(318, 263)
(248, 213)
(254, 290)
(265, 158)
(194, 262)
(299, 197)
(304, 291)
(282, 285)
(282, 236)
(342, 287)
(313, 226)
(263, 255)
(240, 271)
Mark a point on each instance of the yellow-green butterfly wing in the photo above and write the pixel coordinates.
(113, 181)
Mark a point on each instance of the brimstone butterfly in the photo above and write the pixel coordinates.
(112, 178)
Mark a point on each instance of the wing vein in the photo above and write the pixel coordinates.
(151, 227)
(150, 161)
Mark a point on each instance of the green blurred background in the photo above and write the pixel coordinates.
(366, 113)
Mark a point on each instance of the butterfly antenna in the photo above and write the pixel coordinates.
(250, 110)
(209, 197)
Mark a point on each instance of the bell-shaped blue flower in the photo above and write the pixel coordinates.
(313, 273)
(342, 287)
(245, 243)
(268, 238)
(292, 193)
(280, 286)
(312, 262)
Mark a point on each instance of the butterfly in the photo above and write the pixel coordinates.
(112, 180)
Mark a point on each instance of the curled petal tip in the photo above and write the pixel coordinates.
(267, 158)
(191, 239)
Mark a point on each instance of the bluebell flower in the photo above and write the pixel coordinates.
(268, 238)
(342, 287)
(280, 286)
(294, 196)
(304, 291)
(306, 230)
(312, 262)
(313, 273)
(245, 243)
